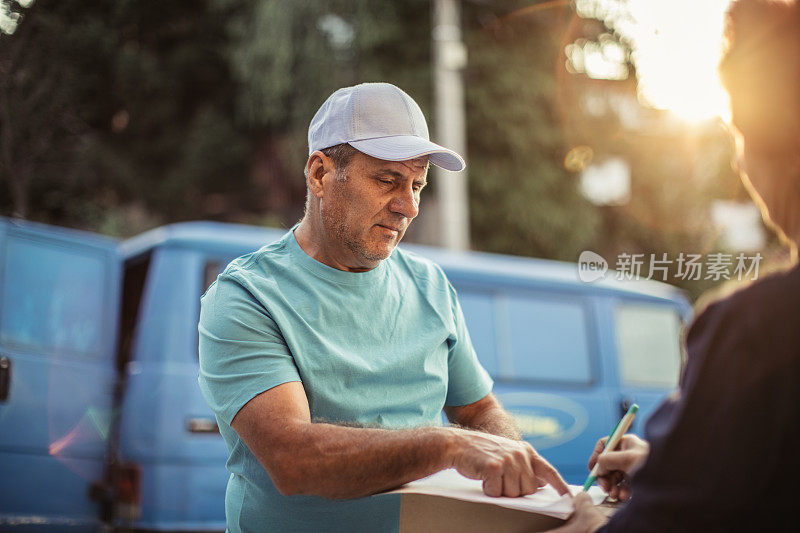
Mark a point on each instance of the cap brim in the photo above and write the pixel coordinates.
(405, 147)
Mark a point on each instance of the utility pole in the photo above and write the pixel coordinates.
(450, 57)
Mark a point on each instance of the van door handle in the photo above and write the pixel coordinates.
(5, 378)
(202, 425)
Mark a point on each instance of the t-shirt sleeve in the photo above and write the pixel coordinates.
(468, 381)
(242, 351)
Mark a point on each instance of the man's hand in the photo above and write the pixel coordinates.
(507, 467)
(585, 519)
(616, 467)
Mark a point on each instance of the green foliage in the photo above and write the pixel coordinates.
(191, 109)
(116, 103)
(523, 201)
(288, 57)
(118, 116)
(41, 126)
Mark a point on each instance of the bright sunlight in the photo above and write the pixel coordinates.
(675, 46)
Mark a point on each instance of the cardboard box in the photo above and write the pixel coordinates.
(427, 513)
(447, 501)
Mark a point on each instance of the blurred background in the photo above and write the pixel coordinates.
(587, 124)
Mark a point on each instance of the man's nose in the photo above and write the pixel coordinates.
(405, 202)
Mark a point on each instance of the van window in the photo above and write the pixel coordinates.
(479, 316)
(133, 283)
(648, 344)
(211, 270)
(52, 298)
(548, 338)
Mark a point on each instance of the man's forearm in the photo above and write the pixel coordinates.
(496, 421)
(336, 461)
(345, 462)
(487, 415)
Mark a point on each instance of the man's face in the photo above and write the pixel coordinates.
(367, 213)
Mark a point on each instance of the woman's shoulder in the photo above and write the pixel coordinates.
(765, 315)
(766, 298)
(774, 294)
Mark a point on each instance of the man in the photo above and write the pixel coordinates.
(328, 356)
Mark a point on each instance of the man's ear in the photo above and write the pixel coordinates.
(319, 169)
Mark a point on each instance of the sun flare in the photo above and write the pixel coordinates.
(675, 47)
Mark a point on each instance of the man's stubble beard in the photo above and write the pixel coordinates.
(334, 222)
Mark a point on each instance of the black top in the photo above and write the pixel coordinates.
(725, 451)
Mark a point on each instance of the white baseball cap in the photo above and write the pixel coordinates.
(379, 120)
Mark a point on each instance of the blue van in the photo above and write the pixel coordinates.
(101, 420)
(59, 313)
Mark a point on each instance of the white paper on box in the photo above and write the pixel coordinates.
(450, 484)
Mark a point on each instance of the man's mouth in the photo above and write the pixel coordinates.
(392, 228)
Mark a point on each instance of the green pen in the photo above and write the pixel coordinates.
(614, 437)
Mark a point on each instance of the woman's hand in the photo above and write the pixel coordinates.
(585, 519)
(616, 467)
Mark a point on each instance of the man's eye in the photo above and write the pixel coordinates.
(387, 182)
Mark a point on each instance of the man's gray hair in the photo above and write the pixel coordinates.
(340, 154)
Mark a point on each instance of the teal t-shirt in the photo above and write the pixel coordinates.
(388, 346)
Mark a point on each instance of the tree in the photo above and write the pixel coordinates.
(117, 116)
(288, 57)
(40, 123)
(117, 103)
(523, 201)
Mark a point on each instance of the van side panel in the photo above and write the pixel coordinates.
(58, 319)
